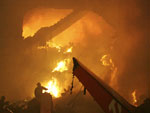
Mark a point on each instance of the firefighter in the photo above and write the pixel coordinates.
(38, 90)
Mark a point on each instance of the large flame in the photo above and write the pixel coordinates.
(53, 88)
(90, 25)
(62, 66)
(134, 98)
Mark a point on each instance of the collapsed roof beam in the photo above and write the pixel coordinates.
(47, 33)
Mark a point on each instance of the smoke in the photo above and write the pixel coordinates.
(90, 30)
(44, 17)
(132, 60)
(118, 28)
(76, 103)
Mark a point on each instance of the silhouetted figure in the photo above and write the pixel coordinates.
(3, 103)
(38, 91)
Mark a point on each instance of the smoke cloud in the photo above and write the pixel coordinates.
(117, 28)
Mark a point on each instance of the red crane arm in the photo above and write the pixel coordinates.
(105, 96)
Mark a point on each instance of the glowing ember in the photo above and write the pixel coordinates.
(134, 98)
(53, 88)
(61, 66)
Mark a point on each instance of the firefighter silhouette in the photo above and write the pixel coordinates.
(38, 90)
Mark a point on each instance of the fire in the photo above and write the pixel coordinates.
(39, 18)
(53, 88)
(89, 25)
(134, 98)
(62, 66)
(69, 50)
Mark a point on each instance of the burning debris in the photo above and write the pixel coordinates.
(62, 66)
(115, 27)
(72, 36)
(90, 25)
(134, 98)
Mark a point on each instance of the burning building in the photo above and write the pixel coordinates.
(39, 39)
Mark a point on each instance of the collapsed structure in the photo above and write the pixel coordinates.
(117, 13)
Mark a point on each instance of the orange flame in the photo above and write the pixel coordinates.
(134, 98)
(62, 66)
(53, 88)
(90, 23)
